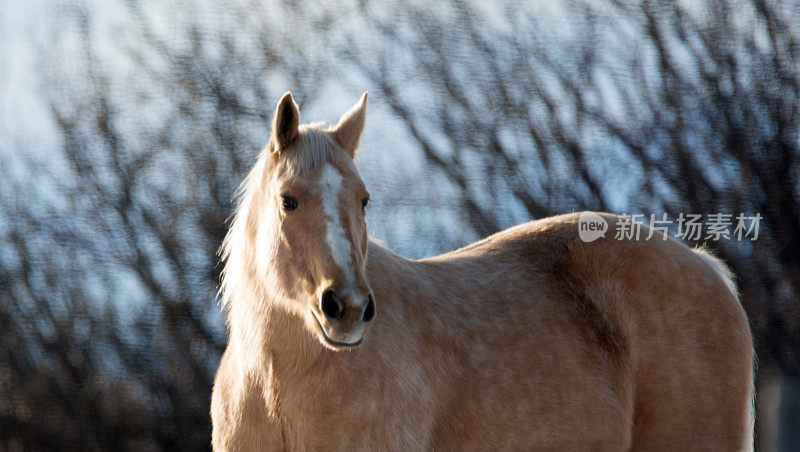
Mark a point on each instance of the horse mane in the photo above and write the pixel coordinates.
(312, 149)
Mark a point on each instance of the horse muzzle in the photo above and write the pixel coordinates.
(341, 320)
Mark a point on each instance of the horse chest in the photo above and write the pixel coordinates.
(353, 412)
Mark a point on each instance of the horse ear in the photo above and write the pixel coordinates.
(285, 123)
(348, 132)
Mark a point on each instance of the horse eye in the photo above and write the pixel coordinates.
(288, 202)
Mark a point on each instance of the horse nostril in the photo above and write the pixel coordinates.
(329, 305)
(369, 312)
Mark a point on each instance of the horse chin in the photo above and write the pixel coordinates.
(331, 343)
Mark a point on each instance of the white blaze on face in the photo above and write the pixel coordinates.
(335, 236)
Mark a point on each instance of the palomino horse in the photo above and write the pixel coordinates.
(530, 339)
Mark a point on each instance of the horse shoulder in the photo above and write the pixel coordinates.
(241, 416)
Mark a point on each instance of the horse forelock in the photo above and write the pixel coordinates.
(312, 149)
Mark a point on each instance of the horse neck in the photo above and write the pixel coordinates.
(273, 340)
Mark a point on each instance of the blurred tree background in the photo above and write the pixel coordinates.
(114, 192)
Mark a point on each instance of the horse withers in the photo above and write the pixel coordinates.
(530, 339)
